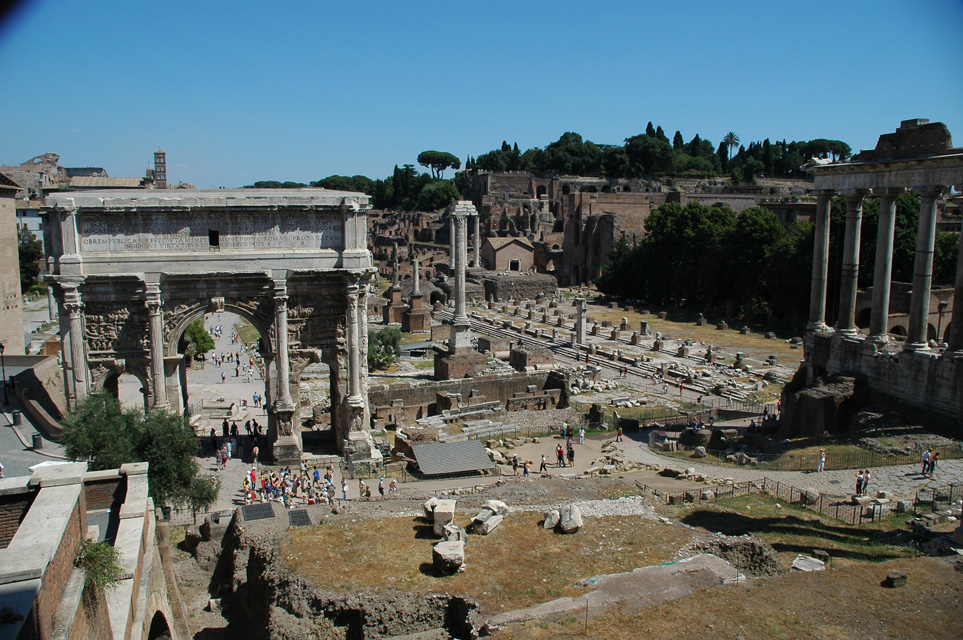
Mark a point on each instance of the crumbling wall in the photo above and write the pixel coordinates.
(269, 602)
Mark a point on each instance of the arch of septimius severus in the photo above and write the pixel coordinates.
(131, 270)
(917, 157)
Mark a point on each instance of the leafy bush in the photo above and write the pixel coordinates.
(101, 564)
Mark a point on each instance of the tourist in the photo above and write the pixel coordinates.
(866, 478)
(926, 462)
(581, 435)
(560, 455)
(933, 460)
(361, 488)
(392, 488)
(571, 456)
(1, 470)
(254, 453)
(859, 483)
(515, 464)
(618, 434)
(543, 464)
(223, 377)
(822, 460)
(381, 487)
(214, 439)
(344, 489)
(525, 468)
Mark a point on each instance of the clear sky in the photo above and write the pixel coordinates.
(236, 92)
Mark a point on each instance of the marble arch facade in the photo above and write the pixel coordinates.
(131, 270)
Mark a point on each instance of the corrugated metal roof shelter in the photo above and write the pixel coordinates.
(452, 458)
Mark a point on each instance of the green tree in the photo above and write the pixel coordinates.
(731, 140)
(438, 161)
(198, 340)
(31, 253)
(384, 347)
(649, 155)
(436, 195)
(99, 432)
(362, 184)
(202, 493)
(677, 142)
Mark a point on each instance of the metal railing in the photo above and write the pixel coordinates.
(833, 507)
(810, 461)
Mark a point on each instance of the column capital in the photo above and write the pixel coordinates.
(929, 191)
(823, 193)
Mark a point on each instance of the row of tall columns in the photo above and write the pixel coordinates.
(916, 339)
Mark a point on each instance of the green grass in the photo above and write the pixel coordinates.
(249, 335)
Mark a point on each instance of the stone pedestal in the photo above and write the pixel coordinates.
(416, 319)
(454, 366)
(395, 309)
(286, 451)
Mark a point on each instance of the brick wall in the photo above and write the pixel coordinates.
(13, 508)
(58, 571)
(105, 494)
(92, 619)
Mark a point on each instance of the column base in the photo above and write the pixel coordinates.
(852, 332)
(916, 346)
(879, 338)
(817, 327)
(286, 451)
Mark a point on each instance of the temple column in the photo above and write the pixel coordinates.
(477, 262)
(461, 258)
(817, 295)
(955, 343)
(882, 273)
(416, 273)
(78, 359)
(156, 332)
(580, 320)
(451, 245)
(284, 401)
(916, 339)
(850, 267)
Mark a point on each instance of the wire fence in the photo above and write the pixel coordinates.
(841, 509)
(938, 496)
(810, 461)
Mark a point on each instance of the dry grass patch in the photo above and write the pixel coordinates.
(681, 329)
(847, 603)
(518, 565)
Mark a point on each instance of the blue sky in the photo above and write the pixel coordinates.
(240, 91)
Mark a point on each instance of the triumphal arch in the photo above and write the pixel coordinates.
(130, 270)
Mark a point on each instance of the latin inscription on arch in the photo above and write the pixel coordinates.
(175, 233)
